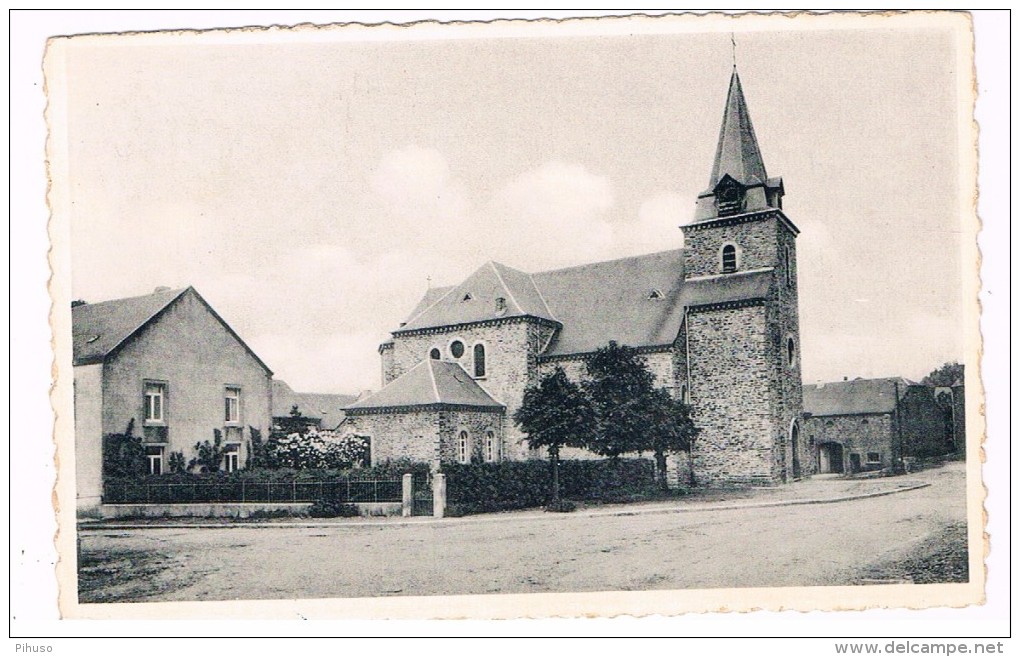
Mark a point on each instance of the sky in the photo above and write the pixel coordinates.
(312, 188)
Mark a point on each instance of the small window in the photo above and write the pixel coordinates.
(467, 297)
(500, 305)
(155, 402)
(729, 258)
(828, 423)
(232, 405)
(154, 457)
(479, 360)
(864, 421)
(434, 354)
(791, 352)
(457, 348)
(654, 295)
(231, 457)
(491, 453)
(685, 395)
(874, 457)
(462, 448)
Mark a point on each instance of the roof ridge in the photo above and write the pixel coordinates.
(177, 294)
(499, 277)
(541, 296)
(432, 379)
(605, 262)
(433, 304)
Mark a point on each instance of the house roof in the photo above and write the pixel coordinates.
(855, 397)
(100, 329)
(329, 408)
(737, 153)
(637, 301)
(477, 299)
(430, 382)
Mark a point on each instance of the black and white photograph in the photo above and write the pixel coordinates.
(643, 315)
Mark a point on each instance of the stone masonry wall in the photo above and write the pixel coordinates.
(731, 397)
(858, 434)
(477, 424)
(408, 435)
(511, 351)
(755, 242)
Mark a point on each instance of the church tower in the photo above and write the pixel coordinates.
(742, 330)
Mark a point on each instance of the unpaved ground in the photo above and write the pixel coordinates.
(805, 545)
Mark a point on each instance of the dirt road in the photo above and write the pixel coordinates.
(804, 545)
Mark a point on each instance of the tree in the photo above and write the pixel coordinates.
(209, 455)
(619, 386)
(944, 376)
(669, 429)
(124, 454)
(555, 413)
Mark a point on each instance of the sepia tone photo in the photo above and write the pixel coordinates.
(517, 319)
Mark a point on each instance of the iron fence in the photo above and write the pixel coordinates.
(340, 490)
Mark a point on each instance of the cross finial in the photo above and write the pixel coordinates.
(428, 282)
(733, 41)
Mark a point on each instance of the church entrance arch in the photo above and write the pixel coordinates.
(830, 458)
(795, 446)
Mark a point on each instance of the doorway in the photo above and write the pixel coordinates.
(830, 458)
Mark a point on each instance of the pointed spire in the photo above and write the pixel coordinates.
(737, 153)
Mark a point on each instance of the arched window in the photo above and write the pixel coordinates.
(729, 258)
(791, 352)
(479, 360)
(457, 348)
(491, 449)
(685, 395)
(463, 454)
(434, 354)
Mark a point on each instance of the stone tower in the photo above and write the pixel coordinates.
(742, 329)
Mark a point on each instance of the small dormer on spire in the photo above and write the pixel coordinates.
(738, 183)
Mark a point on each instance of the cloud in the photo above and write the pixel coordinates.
(656, 226)
(552, 215)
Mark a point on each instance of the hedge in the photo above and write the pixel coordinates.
(387, 470)
(488, 487)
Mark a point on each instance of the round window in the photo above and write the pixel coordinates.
(457, 348)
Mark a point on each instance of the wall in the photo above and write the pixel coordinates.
(511, 350)
(927, 431)
(477, 424)
(755, 242)
(731, 399)
(396, 435)
(190, 350)
(88, 435)
(858, 434)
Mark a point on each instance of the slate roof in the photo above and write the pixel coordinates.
(855, 397)
(605, 301)
(637, 301)
(99, 329)
(737, 153)
(430, 382)
(328, 408)
(475, 299)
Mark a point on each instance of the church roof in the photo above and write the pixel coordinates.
(737, 153)
(429, 383)
(637, 301)
(856, 397)
(493, 291)
(634, 301)
(328, 408)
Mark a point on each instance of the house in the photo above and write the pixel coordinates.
(716, 321)
(170, 365)
(871, 424)
(319, 410)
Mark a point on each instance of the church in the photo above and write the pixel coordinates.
(716, 322)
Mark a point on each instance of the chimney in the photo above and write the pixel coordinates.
(161, 288)
(844, 378)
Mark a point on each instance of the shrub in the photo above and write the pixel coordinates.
(561, 506)
(509, 485)
(124, 454)
(333, 509)
(314, 449)
(209, 455)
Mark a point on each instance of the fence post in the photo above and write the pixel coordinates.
(438, 495)
(242, 491)
(407, 499)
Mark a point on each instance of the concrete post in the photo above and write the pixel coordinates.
(438, 495)
(407, 498)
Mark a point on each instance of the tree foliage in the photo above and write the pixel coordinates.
(555, 413)
(944, 376)
(619, 386)
(209, 456)
(124, 454)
